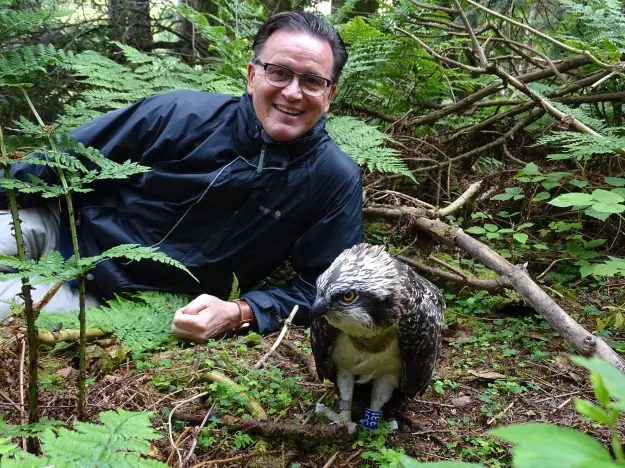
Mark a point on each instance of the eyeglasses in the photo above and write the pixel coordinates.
(280, 77)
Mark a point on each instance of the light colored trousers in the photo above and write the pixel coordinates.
(40, 229)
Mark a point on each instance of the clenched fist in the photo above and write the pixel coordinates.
(205, 317)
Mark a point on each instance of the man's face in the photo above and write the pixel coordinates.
(288, 113)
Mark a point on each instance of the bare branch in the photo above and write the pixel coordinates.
(493, 286)
(540, 34)
(434, 7)
(435, 54)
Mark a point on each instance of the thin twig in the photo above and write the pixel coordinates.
(435, 54)
(451, 267)
(197, 433)
(550, 267)
(169, 428)
(288, 321)
(47, 296)
(502, 413)
(238, 458)
(332, 459)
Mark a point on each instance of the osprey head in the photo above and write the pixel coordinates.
(356, 293)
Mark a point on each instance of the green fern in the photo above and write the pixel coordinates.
(119, 440)
(581, 146)
(364, 144)
(602, 22)
(140, 321)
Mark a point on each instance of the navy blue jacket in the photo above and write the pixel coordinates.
(222, 197)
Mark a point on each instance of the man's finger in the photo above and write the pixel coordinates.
(196, 305)
(185, 334)
(189, 322)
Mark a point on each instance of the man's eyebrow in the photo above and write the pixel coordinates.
(301, 73)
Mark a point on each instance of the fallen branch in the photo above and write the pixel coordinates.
(257, 411)
(515, 276)
(493, 286)
(310, 434)
(52, 338)
(245, 456)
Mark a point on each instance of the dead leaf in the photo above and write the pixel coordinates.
(65, 372)
(485, 375)
(461, 401)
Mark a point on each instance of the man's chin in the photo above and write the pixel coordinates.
(284, 135)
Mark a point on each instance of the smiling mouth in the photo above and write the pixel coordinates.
(288, 111)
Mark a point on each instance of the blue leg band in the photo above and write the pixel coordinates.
(372, 419)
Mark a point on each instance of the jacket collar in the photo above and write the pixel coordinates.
(254, 134)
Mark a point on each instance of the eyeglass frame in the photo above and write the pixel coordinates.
(266, 64)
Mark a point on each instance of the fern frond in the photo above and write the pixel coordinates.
(118, 441)
(140, 321)
(364, 144)
(136, 253)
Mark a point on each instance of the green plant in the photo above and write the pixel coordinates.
(538, 445)
(374, 445)
(141, 321)
(119, 440)
(364, 144)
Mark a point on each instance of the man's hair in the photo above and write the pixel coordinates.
(300, 21)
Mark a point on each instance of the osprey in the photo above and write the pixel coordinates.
(374, 320)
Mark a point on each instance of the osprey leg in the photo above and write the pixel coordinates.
(345, 382)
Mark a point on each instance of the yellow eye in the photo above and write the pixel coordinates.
(349, 296)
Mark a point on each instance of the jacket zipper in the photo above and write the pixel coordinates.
(261, 161)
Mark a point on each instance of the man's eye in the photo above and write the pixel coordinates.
(312, 82)
(349, 296)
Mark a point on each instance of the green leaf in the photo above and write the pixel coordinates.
(407, 462)
(573, 199)
(491, 227)
(608, 208)
(601, 392)
(541, 196)
(475, 230)
(591, 411)
(578, 183)
(546, 445)
(520, 237)
(531, 169)
(615, 181)
(596, 214)
(607, 197)
(503, 196)
(594, 243)
(613, 379)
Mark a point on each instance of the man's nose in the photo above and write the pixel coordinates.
(293, 90)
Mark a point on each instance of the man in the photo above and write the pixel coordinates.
(237, 186)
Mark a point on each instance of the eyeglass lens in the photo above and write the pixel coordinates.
(281, 77)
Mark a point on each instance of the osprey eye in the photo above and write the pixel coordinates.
(349, 296)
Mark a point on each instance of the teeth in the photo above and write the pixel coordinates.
(288, 111)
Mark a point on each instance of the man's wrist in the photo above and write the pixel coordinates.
(246, 316)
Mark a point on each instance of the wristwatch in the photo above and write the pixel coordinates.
(246, 315)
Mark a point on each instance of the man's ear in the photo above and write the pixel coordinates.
(251, 72)
(330, 96)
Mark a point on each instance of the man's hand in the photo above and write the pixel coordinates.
(205, 317)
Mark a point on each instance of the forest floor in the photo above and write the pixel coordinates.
(500, 365)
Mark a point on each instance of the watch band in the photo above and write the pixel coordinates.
(246, 315)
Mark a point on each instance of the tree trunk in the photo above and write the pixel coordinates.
(131, 22)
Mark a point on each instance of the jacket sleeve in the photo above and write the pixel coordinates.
(125, 135)
(340, 228)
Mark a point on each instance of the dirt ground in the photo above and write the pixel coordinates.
(496, 369)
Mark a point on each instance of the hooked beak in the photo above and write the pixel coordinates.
(318, 308)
